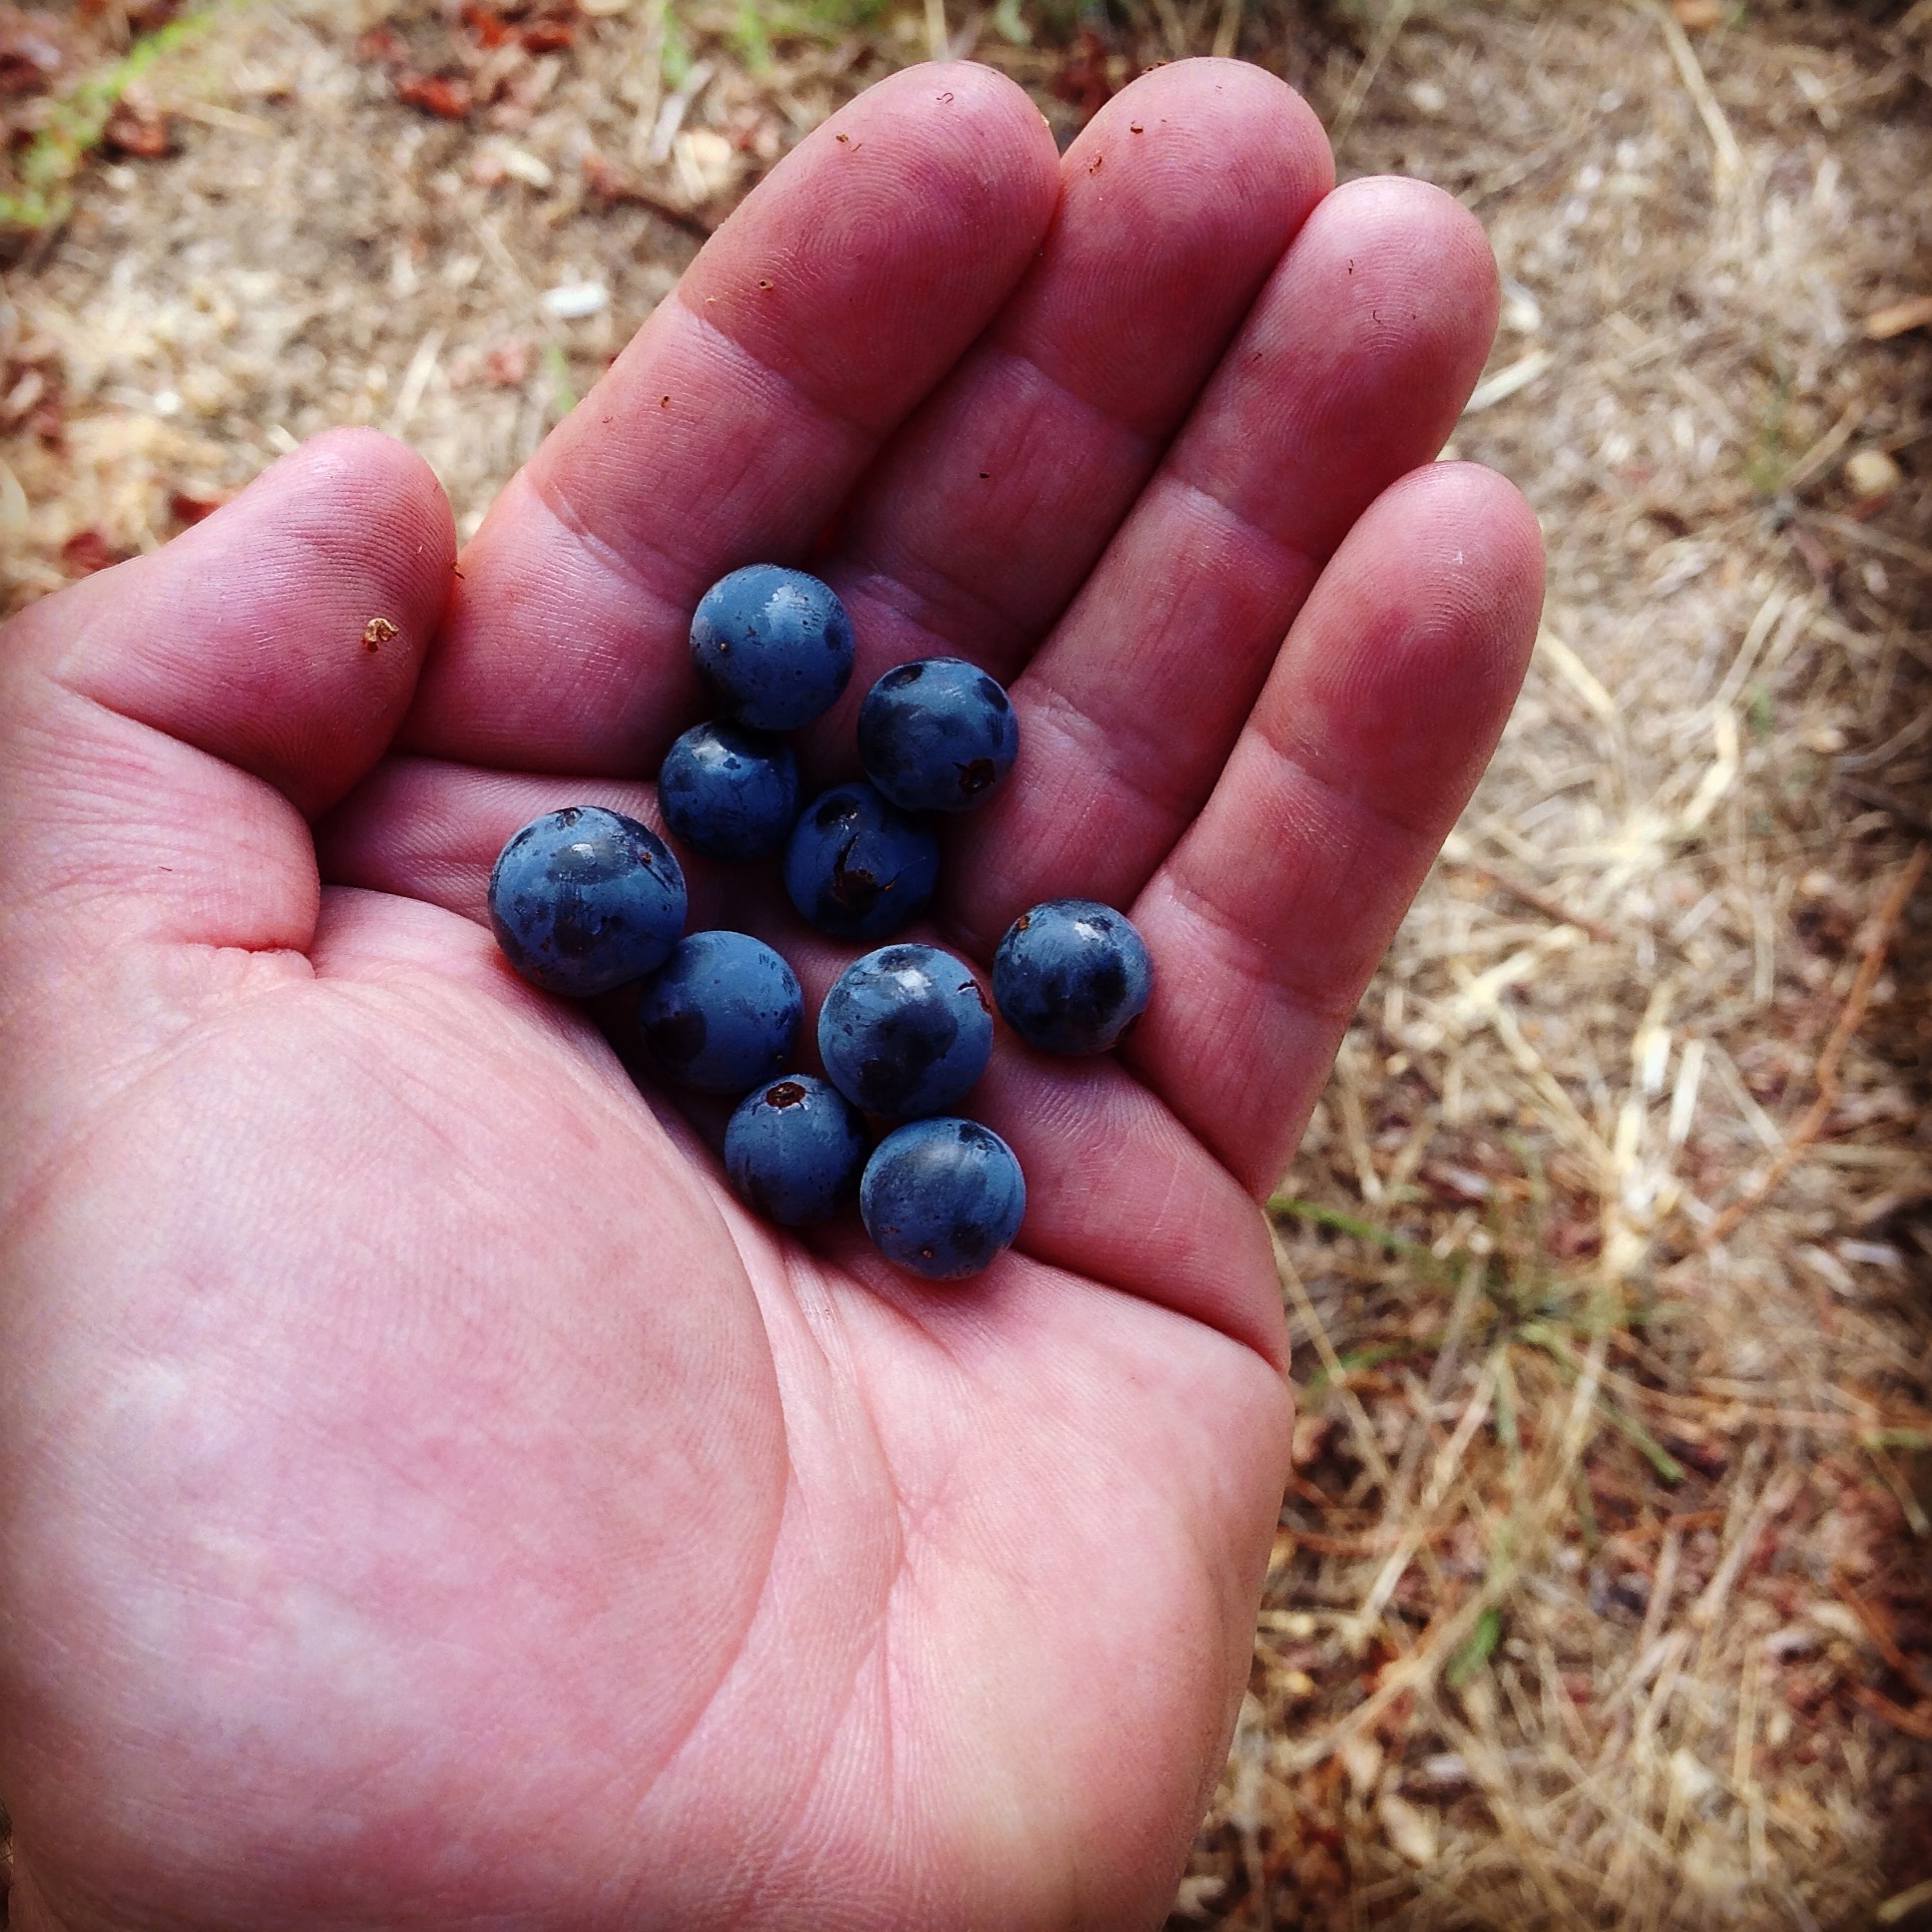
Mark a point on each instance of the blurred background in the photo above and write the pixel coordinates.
(1603, 1593)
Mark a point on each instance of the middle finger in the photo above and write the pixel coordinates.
(973, 532)
(1350, 372)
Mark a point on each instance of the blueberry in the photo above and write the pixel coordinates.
(773, 645)
(905, 1031)
(794, 1150)
(1072, 976)
(942, 1198)
(937, 735)
(584, 899)
(858, 867)
(722, 1013)
(728, 793)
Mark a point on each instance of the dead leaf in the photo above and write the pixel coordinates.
(507, 366)
(138, 129)
(605, 180)
(447, 96)
(382, 46)
(87, 551)
(1084, 78)
(189, 508)
(489, 26)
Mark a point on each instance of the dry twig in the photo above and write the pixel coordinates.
(1826, 1074)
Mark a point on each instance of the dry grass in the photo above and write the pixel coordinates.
(1602, 1596)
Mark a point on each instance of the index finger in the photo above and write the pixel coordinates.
(735, 423)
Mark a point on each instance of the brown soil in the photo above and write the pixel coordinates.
(1602, 1597)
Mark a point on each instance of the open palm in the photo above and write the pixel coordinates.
(426, 1498)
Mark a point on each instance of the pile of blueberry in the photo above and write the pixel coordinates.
(585, 899)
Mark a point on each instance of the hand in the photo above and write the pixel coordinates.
(426, 1497)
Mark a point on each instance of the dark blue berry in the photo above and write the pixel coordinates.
(858, 867)
(1072, 976)
(937, 735)
(794, 1150)
(942, 1198)
(722, 1013)
(773, 645)
(905, 1031)
(584, 899)
(728, 793)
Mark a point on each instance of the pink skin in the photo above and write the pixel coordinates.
(426, 1499)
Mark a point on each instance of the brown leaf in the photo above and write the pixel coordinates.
(507, 366)
(382, 46)
(489, 26)
(138, 131)
(87, 551)
(189, 508)
(447, 96)
(606, 180)
(1084, 79)
(48, 424)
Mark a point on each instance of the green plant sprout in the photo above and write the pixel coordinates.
(78, 120)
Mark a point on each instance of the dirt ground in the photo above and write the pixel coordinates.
(1603, 1594)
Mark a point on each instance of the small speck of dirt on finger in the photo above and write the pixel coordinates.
(376, 633)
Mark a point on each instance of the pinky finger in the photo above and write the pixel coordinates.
(1270, 915)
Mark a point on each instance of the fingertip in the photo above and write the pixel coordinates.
(974, 87)
(1404, 666)
(1484, 500)
(905, 219)
(1433, 242)
(1176, 202)
(391, 517)
(1470, 532)
(285, 633)
(1216, 95)
(967, 112)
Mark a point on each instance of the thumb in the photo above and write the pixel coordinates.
(167, 727)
